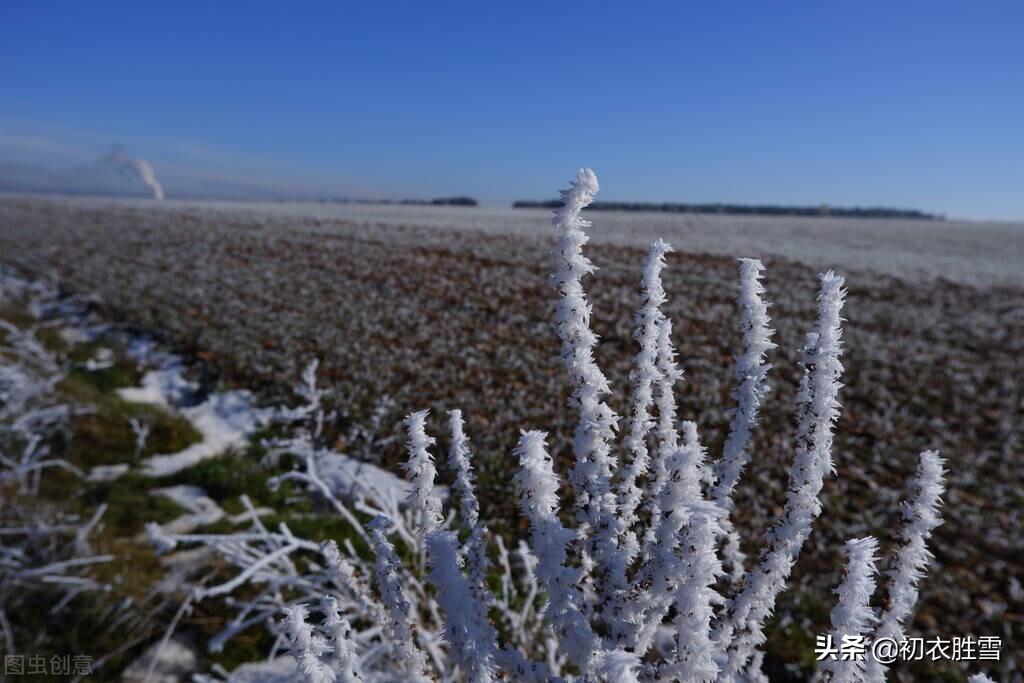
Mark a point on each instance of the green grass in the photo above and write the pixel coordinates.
(227, 477)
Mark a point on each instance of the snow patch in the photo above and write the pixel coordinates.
(357, 480)
(175, 661)
(201, 509)
(225, 421)
(107, 472)
(165, 387)
(280, 670)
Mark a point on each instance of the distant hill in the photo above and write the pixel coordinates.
(741, 209)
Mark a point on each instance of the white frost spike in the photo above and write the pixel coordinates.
(696, 653)
(666, 435)
(458, 461)
(538, 487)
(980, 678)
(817, 411)
(344, 659)
(751, 388)
(669, 374)
(617, 666)
(389, 584)
(422, 499)
(475, 550)
(665, 569)
(307, 647)
(922, 516)
(592, 473)
(341, 567)
(471, 637)
(645, 376)
(852, 616)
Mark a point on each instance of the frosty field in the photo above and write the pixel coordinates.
(969, 252)
(410, 308)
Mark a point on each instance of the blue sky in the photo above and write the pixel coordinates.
(917, 104)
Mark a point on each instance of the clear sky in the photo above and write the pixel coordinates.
(908, 103)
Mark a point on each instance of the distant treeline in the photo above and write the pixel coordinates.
(740, 209)
(440, 201)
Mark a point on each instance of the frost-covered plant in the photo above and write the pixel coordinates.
(922, 516)
(289, 571)
(652, 525)
(471, 638)
(420, 469)
(751, 377)
(41, 553)
(469, 507)
(388, 577)
(591, 477)
(308, 648)
(646, 376)
(550, 540)
(30, 413)
(852, 616)
(742, 631)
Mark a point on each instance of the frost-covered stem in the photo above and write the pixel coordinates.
(751, 388)
(669, 375)
(475, 550)
(249, 572)
(922, 516)
(344, 575)
(696, 652)
(591, 475)
(980, 678)
(645, 376)
(344, 659)
(518, 668)
(458, 461)
(617, 666)
(817, 411)
(733, 558)
(852, 616)
(422, 499)
(467, 631)
(524, 625)
(308, 648)
(538, 487)
(312, 478)
(666, 435)
(389, 585)
(664, 569)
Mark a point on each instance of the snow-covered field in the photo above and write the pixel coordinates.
(969, 252)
